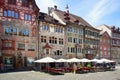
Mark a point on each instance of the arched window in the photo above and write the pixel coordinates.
(11, 1)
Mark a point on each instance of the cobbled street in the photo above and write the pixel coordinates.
(33, 75)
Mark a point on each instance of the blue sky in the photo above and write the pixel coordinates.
(95, 12)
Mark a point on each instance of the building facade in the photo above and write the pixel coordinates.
(114, 34)
(92, 40)
(105, 45)
(18, 32)
(51, 37)
(77, 32)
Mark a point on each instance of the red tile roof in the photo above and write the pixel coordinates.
(47, 46)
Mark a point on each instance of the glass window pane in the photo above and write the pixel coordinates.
(5, 13)
(16, 15)
(9, 13)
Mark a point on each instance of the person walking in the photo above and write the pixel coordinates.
(74, 68)
(2, 67)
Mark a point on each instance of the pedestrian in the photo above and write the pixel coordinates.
(74, 68)
(2, 67)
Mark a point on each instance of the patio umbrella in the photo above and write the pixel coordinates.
(84, 60)
(106, 60)
(94, 60)
(73, 60)
(45, 60)
(61, 60)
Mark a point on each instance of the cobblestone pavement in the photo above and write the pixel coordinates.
(33, 75)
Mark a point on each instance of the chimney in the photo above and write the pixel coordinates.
(55, 7)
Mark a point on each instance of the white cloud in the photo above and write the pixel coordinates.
(101, 9)
(44, 4)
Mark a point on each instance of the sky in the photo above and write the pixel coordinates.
(95, 12)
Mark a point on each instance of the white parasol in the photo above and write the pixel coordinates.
(84, 60)
(45, 60)
(73, 60)
(61, 60)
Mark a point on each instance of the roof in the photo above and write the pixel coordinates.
(47, 18)
(47, 46)
(72, 17)
(102, 33)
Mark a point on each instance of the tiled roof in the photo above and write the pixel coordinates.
(72, 17)
(47, 18)
(47, 46)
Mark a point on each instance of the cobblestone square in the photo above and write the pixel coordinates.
(36, 75)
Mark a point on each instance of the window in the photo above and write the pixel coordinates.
(79, 50)
(8, 61)
(14, 31)
(8, 45)
(27, 17)
(53, 40)
(75, 40)
(24, 32)
(45, 28)
(69, 29)
(114, 41)
(31, 47)
(75, 30)
(21, 46)
(60, 41)
(43, 39)
(10, 30)
(59, 30)
(10, 13)
(30, 61)
(5, 13)
(69, 39)
(80, 41)
(80, 32)
(11, 1)
(58, 53)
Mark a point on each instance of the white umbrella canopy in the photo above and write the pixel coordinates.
(106, 60)
(61, 60)
(94, 60)
(84, 60)
(45, 60)
(73, 60)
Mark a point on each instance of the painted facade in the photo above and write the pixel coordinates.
(18, 32)
(105, 45)
(51, 37)
(114, 34)
(78, 31)
(92, 40)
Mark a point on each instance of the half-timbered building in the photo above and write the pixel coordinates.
(18, 32)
